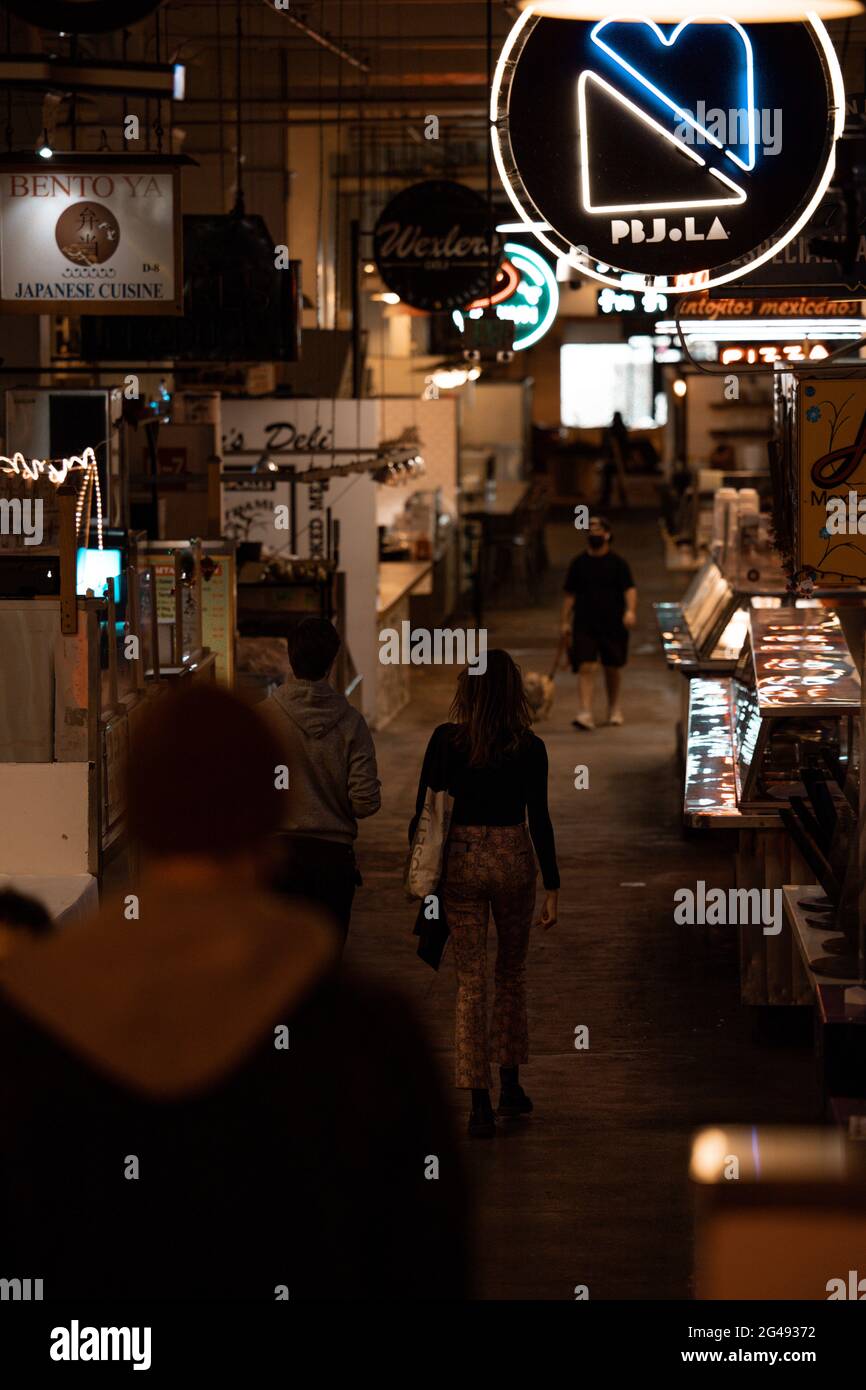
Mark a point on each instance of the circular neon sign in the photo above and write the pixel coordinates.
(532, 302)
(684, 154)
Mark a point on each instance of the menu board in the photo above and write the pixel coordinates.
(218, 613)
(165, 612)
(218, 607)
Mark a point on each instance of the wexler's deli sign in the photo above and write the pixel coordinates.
(684, 154)
(831, 428)
(101, 238)
(434, 246)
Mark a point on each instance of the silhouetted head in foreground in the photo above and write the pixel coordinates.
(492, 709)
(21, 917)
(202, 784)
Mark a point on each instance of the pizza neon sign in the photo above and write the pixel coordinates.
(768, 354)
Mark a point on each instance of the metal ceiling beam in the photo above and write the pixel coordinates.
(91, 75)
(323, 40)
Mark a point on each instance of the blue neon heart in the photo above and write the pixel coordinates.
(639, 47)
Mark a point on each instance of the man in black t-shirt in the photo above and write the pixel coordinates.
(598, 611)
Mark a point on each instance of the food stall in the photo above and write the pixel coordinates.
(789, 709)
(71, 687)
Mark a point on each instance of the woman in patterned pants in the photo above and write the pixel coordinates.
(496, 769)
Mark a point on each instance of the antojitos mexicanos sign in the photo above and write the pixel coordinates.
(798, 307)
(102, 239)
(433, 245)
(687, 154)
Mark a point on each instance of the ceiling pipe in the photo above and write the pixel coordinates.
(454, 105)
(323, 40)
(369, 121)
(265, 43)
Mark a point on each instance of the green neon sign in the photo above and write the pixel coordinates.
(533, 305)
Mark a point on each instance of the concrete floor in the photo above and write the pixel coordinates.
(593, 1189)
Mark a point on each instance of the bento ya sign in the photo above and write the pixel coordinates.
(89, 242)
(633, 148)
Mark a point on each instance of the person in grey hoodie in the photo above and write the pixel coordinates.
(332, 777)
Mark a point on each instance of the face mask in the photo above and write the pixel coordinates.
(597, 542)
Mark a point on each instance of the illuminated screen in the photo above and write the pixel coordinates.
(597, 379)
(95, 568)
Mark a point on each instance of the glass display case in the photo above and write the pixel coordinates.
(706, 630)
(704, 627)
(799, 692)
(789, 709)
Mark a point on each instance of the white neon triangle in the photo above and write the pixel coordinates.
(588, 206)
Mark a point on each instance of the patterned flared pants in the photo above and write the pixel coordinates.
(489, 866)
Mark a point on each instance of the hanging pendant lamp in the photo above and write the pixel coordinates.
(669, 12)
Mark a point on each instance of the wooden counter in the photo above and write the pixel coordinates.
(398, 581)
(399, 578)
(507, 498)
(810, 939)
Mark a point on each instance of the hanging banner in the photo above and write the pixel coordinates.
(685, 154)
(218, 612)
(257, 507)
(831, 427)
(433, 245)
(90, 238)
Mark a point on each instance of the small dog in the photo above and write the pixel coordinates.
(539, 691)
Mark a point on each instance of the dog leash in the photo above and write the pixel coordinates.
(561, 648)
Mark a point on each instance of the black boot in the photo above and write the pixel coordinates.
(482, 1124)
(513, 1100)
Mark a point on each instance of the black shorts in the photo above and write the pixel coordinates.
(610, 648)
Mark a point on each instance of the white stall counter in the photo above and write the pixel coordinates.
(398, 578)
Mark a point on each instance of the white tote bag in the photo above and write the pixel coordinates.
(427, 852)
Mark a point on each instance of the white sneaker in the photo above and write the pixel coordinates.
(616, 717)
(584, 720)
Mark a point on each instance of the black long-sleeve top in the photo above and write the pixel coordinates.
(506, 794)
